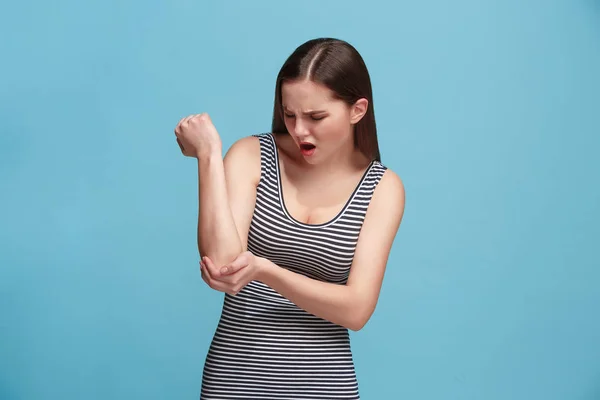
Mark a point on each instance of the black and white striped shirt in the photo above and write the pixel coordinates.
(266, 347)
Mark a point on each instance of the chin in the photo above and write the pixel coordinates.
(309, 160)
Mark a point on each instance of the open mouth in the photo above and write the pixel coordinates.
(307, 149)
(307, 146)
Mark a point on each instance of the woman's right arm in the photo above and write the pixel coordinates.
(226, 200)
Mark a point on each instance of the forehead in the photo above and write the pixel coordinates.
(306, 94)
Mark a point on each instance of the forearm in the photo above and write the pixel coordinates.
(332, 302)
(217, 234)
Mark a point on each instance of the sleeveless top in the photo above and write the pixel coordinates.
(266, 347)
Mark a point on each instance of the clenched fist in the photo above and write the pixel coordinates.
(197, 136)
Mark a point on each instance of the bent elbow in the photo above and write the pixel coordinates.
(220, 259)
(358, 321)
(356, 326)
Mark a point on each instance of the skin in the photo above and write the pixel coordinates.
(312, 114)
(315, 188)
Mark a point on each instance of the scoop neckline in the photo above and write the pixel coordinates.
(282, 200)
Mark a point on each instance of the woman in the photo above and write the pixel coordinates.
(295, 227)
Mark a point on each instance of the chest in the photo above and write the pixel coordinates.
(315, 203)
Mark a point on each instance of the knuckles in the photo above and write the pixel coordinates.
(200, 119)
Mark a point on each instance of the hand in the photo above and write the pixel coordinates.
(197, 136)
(233, 277)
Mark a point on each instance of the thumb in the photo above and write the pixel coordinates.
(240, 262)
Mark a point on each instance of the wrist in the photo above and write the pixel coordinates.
(208, 161)
(208, 156)
(263, 269)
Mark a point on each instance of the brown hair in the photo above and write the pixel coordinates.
(338, 66)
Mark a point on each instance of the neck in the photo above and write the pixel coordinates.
(346, 159)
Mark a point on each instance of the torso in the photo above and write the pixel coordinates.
(311, 200)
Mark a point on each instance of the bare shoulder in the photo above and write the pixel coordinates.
(243, 158)
(386, 209)
(389, 195)
(384, 214)
(247, 146)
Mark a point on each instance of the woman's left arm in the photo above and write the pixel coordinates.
(350, 305)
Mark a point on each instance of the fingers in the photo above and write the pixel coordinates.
(204, 274)
(178, 126)
(240, 262)
(210, 266)
(208, 271)
(180, 146)
(178, 131)
(213, 284)
(184, 121)
(187, 119)
(216, 275)
(202, 116)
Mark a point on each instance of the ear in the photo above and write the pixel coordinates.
(358, 110)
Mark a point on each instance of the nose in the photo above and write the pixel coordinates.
(300, 128)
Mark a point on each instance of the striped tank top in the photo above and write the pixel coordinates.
(266, 347)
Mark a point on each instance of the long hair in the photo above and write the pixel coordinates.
(338, 66)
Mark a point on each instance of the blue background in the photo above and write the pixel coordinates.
(488, 110)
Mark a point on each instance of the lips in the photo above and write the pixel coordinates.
(307, 149)
(307, 146)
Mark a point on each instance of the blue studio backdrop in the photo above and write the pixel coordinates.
(488, 110)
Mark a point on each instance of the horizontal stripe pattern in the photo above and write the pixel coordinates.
(266, 347)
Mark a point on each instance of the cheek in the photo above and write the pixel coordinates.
(334, 126)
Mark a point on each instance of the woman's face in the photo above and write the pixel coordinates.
(314, 116)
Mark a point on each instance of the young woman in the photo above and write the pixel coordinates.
(295, 227)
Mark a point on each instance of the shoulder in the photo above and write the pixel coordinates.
(390, 182)
(245, 148)
(389, 196)
(243, 157)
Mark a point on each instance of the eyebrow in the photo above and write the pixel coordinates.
(309, 112)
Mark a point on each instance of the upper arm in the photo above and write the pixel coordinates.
(242, 175)
(379, 229)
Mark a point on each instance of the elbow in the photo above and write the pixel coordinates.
(359, 312)
(221, 254)
(358, 320)
(357, 325)
(220, 259)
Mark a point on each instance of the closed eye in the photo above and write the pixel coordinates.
(311, 117)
